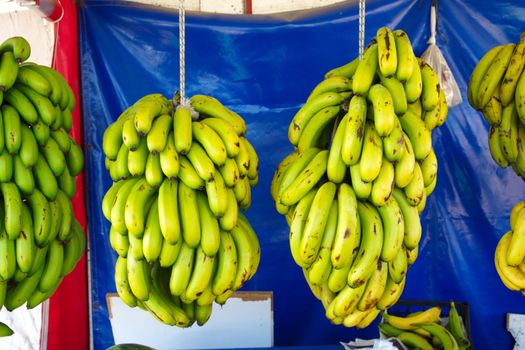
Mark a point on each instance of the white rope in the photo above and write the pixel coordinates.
(362, 5)
(182, 53)
(432, 39)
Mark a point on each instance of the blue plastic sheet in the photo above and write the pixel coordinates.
(263, 67)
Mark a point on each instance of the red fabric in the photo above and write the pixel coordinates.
(68, 316)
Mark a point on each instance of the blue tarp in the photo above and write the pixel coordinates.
(263, 67)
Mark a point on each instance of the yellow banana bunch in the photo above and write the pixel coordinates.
(497, 89)
(181, 174)
(358, 178)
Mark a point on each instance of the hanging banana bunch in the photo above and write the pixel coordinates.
(179, 185)
(360, 174)
(40, 239)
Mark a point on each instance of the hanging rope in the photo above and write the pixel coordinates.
(362, 4)
(182, 53)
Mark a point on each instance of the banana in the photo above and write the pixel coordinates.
(229, 172)
(415, 108)
(210, 142)
(73, 250)
(28, 151)
(112, 138)
(56, 89)
(404, 168)
(41, 132)
(337, 279)
(307, 112)
(414, 84)
(478, 74)
(229, 219)
(8, 70)
(371, 154)
(75, 158)
(335, 83)
(414, 340)
(54, 157)
(119, 242)
(354, 130)
(278, 175)
(393, 229)
(389, 330)
(227, 134)
(7, 166)
(61, 137)
(169, 159)
(217, 194)
(446, 339)
(255, 248)
(39, 258)
(134, 213)
(210, 232)
(429, 168)
(366, 71)
(306, 180)
(294, 169)
(213, 108)
(394, 143)
(387, 53)
(405, 56)
(119, 170)
(493, 109)
(243, 159)
(383, 184)
(189, 215)
(346, 300)
(201, 162)
(348, 232)
(118, 209)
(495, 148)
(431, 87)
(508, 133)
(431, 118)
(247, 255)
(53, 266)
(397, 267)
(152, 239)
(182, 270)
(130, 136)
(188, 175)
(34, 80)
(519, 98)
(202, 274)
(515, 212)
(298, 221)
(137, 159)
(456, 328)
(315, 127)
(138, 278)
(508, 272)
(56, 220)
(135, 248)
(370, 247)
(182, 129)
(374, 287)
(347, 70)
(19, 46)
(491, 79)
(169, 253)
(13, 209)
(147, 111)
(412, 255)
(319, 271)
(397, 94)
(362, 189)
(25, 244)
(253, 168)
(420, 137)
(411, 220)
(22, 104)
(226, 265)
(169, 210)
(157, 137)
(122, 283)
(316, 222)
(45, 179)
(408, 323)
(20, 293)
(8, 264)
(202, 313)
(44, 106)
(415, 190)
(12, 129)
(153, 171)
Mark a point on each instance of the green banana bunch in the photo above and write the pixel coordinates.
(362, 169)
(181, 173)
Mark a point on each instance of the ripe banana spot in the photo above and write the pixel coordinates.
(347, 233)
(359, 132)
(296, 126)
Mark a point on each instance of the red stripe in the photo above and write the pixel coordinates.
(68, 317)
(248, 7)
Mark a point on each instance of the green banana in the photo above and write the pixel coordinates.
(217, 194)
(12, 129)
(411, 219)
(12, 208)
(316, 126)
(137, 159)
(211, 107)
(19, 46)
(347, 70)
(229, 219)
(54, 157)
(122, 283)
(336, 83)
(362, 189)
(182, 129)
(319, 271)
(147, 111)
(495, 148)
(227, 134)
(348, 232)
(112, 138)
(43, 106)
(397, 94)
(75, 158)
(118, 208)
(226, 265)
(415, 190)
(431, 87)
(34, 80)
(158, 135)
(41, 132)
(404, 168)
(138, 278)
(169, 159)
(6, 166)
(230, 172)
(189, 214)
(420, 137)
(201, 162)
(393, 229)
(508, 133)
(28, 151)
(210, 142)
(25, 243)
(371, 154)
(22, 104)
(119, 242)
(366, 71)
(45, 179)
(20, 293)
(354, 130)
(429, 168)
(152, 238)
(134, 214)
(169, 211)
(210, 232)
(405, 56)
(53, 266)
(383, 184)
(182, 270)
(414, 84)
(386, 50)
(393, 144)
(298, 221)
(153, 171)
(445, 337)
(130, 135)
(202, 274)
(8, 70)
(169, 253)
(415, 341)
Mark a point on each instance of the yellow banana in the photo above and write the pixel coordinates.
(308, 110)
(371, 154)
(394, 143)
(201, 162)
(370, 247)
(514, 213)
(118, 209)
(201, 276)
(493, 109)
(169, 211)
(519, 98)
(210, 232)
(478, 73)
(354, 130)
(508, 133)
(227, 134)
(182, 129)
(119, 242)
(217, 194)
(226, 265)
(346, 300)
(157, 137)
(137, 159)
(383, 184)
(393, 229)
(122, 283)
(182, 270)
(510, 273)
(134, 213)
(347, 70)
(299, 217)
(405, 56)
(366, 71)
(153, 171)
(210, 142)
(397, 267)
(420, 137)
(138, 277)
(408, 323)
(211, 107)
(188, 175)
(247, 255)
(229, 219)
(490, 81)
(169, 253)
(315, 127)
(431, 87)
(337, 279)
(189, 214)
(130, 136)
(415, 190)
(374, 287)
(362, 189)
(411, 219)
(119, 169)
(319, 271)
(147, 111)
(414, 84)
(348, 232)
(386, 50)
(336, 83)
(229, 172)
(169, 159)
